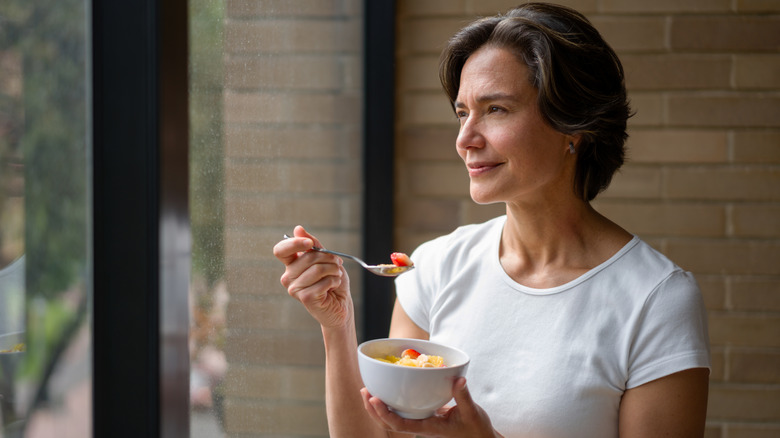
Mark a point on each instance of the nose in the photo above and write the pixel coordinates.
(470, 134)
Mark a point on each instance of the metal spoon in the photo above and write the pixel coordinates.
(384, 270)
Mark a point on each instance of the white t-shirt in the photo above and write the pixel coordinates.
(550, 363)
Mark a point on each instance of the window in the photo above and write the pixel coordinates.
(45, 266)
(276, 104)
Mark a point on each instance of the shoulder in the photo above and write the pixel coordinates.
(464, 238)
(436, 259)
(643, 263)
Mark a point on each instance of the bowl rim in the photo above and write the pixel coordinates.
(425, 341)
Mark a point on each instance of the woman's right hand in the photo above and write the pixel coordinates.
(316, 279)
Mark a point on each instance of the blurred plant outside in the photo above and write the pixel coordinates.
(44, 157)
(208, 295)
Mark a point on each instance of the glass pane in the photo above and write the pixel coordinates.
(276, 129)
(45, 376)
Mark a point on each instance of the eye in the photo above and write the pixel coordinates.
(461, 115)
(495, 109)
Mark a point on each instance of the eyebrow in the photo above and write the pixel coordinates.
(488, 98)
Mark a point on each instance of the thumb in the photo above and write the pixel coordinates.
(462, 395)
(299, 231)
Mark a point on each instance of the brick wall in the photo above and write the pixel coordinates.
(703, 180)
(292, 128)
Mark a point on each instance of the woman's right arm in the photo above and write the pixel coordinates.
(321, 284)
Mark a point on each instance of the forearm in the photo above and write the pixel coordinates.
(346, 415)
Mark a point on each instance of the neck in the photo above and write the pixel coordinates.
(551, 243)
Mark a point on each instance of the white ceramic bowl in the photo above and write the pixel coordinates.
(410, 392)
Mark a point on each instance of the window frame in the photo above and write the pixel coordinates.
(140, 195)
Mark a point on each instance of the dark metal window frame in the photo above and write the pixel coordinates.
(140, 218)
(379, 158)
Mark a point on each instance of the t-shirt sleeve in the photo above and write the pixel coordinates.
(672, 333)
(415, 289)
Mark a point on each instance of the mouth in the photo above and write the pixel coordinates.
(481, 168)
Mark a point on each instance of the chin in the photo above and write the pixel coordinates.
(483, 198)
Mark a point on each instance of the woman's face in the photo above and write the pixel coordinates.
(511, 154)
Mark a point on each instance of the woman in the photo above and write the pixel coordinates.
(575, 327)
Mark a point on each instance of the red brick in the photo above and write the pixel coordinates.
(665, 6)
(742, 430)
(648, 108)
(744, 403)
(476, 213)
(725, 33)
(723, 183)
(713, 289)
(282, 8)
(754, 366)
(419, 73)
(677, 146)
(426, 109)
(757, 6)
(428, 214)
(755, 293)
(718, 256)
(430, 8)
(292, 36)
(756, 220)
(427, 35)
(761, 72)
(439, 179)
(677, 71)
(278, 142)
(274, 418)
(757, 147)
(303, 107)
(666, 219)
(298, 72)
(427, 143)
(270, 312)
(631, 33)
(637, 182)
(738, 110)
(286, 177)
(744, 330)
(275, 348)
(281, 382)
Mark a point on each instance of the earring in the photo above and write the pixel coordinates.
(571, 148)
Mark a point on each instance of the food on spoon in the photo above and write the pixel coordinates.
(401, 259)
(401, 262)
(413, 358)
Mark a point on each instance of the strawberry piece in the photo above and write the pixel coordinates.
(401, 259)
(411, 353)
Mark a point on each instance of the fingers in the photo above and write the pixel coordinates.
(370, 407)
(379, 412)
(295, 252)
(314, 283)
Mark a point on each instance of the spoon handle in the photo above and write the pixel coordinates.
(341, 254)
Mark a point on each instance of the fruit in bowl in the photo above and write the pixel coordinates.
(411, 391)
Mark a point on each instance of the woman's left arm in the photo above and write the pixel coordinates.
(672, 406)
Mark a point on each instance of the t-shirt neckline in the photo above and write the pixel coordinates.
(496, 262)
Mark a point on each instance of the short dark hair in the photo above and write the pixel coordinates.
(577, 74)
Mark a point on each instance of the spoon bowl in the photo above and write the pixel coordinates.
(383, 270)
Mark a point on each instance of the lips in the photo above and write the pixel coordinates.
(479, 168)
